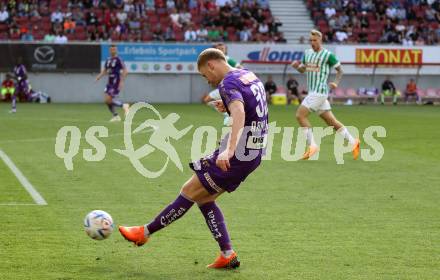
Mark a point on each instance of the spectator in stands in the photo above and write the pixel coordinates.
(245, 34)
(213, 34)
(133, 22)
(78, 17)
(411, 91)
(185, 17)
(367, 5)
(388, 89)
(169, 35)
(330, 11)
(202, 34)
(190, 35)
(292, 90)
(341, 36)
(60, 38)
(49, 37)
(263, 28)
(121, 15)
(363, 35)
(69, 25)
(364, 22)
(171, 4)
(92, 19)
(270, 87)
(57, 16)
(391, 12)
(27, 36)
(8, 88)
(4, 14)
(274, 27)
(175, 18)
(221, 3)
(430, 14)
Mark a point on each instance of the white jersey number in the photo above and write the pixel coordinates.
(260, 94)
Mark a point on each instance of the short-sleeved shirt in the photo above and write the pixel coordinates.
(232, 62)
(243, 85)
(114, 66)
(318, 66)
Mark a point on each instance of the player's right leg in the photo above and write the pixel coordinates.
(331, 120)
(302, 114)
(192, 191)
(108, 100)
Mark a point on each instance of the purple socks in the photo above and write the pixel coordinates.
(216, 223)
(213, 216)
(171, 213)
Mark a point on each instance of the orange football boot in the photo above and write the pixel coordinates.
(311, 150)
(134, 234)
(356, 149)
(228, 263)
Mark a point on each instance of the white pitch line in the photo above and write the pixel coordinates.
(54, 138)
(24, 182)
(18, 204)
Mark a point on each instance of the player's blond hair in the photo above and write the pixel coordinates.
(210, 54)
(315, 32)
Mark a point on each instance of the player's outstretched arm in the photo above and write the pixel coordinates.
(236, 108)
(123, 76)
(338, 78)
(298, 66)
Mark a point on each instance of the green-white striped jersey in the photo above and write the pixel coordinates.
(318, 66)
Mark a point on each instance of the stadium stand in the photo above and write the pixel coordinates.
(138, 20)
(406, 22)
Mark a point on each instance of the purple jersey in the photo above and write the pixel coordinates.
(114, 66)
(244, 86)
(20, 72)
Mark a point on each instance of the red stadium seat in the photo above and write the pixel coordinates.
(80, 36)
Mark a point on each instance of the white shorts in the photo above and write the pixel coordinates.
(316, 103)
(215, 94)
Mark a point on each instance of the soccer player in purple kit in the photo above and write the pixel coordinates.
(22, 85)
(117, 72)
(243, 97)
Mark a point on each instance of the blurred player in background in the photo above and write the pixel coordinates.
(215, 95)
(317, 63)
(8, 88)
(22, 87)
(117, 72)
(243, 97)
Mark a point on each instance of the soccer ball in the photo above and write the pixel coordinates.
(98, 224)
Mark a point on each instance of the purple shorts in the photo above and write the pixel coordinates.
(214, 179)
(22, 87)
(111, 90)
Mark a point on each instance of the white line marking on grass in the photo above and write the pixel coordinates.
(18, 204)
(54, 138)
(24, 182)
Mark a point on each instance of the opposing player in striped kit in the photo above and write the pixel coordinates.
(317, 63)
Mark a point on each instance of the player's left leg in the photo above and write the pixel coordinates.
(331, 120)
(14, 101)
(192, 192)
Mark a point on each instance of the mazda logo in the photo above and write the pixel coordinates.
(44, 54)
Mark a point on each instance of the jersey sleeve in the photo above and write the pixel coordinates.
(232, 62)
(229, 93)
(333, 60)
(303, 59)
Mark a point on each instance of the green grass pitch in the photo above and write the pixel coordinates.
(289, 220)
